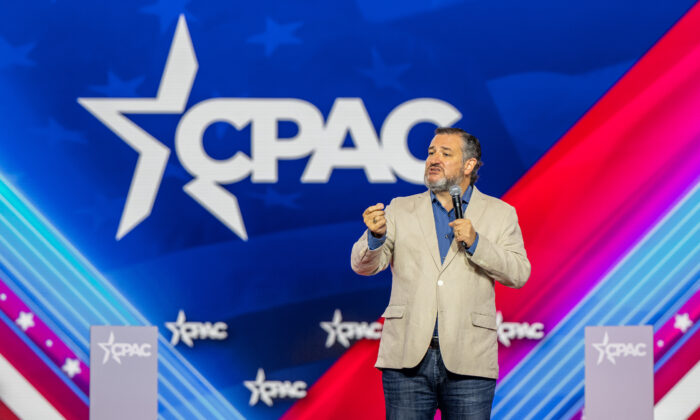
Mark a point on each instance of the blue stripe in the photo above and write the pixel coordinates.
(84, 297)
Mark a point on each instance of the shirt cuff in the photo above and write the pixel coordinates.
(373, 242)
(472, 248)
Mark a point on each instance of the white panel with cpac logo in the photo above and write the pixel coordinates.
(123, 373)
(619, 380)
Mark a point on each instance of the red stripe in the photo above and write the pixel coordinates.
(6, 413)
(350, 389)
(581, 207)
(40, 376)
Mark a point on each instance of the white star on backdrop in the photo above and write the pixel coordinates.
(3, 297)
(332, 329)
(25, 320)
(71, 367)
(256, 388)
(173, 92)
(682, 322)
(177, 328)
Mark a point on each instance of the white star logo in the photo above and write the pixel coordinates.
(176, 329)
(601, 350)
(107, 347)
(682, 322)
(173, 92)
(71, 367)
(25, 320)
(332, 329)
(256, 388)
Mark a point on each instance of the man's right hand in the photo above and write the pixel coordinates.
(375, 220)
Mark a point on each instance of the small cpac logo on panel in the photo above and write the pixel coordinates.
(611, 351)
(116, 350)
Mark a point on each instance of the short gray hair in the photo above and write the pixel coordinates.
(471, 148)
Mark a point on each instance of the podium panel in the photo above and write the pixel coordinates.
(123, 373)
(619, 380)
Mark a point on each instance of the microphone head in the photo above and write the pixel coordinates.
(455, 191)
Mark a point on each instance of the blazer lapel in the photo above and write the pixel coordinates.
(426, 221)
(475, 208)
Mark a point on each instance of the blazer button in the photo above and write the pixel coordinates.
(440, 283)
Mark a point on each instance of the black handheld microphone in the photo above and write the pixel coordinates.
(456, 194)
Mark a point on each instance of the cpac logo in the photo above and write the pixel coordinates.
(189, 331)
(612, 350)
(323, 141)
(508, 331)
(266, 391)
(343, 332)
(119, 350)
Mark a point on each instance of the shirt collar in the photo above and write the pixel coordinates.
(465, 197)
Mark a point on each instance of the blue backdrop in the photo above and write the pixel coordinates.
(520, 74)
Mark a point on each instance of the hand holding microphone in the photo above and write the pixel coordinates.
(463, 230)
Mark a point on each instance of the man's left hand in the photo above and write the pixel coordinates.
(463, 231)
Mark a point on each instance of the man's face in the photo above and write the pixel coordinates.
(443, 167)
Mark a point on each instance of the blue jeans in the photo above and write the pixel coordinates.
(415, 393)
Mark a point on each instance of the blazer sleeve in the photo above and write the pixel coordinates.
(367, 262)
(505, 260)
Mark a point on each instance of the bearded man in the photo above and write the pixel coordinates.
(439, 346)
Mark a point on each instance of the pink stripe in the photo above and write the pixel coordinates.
(40, 376)
(42, 336)
(666, 336)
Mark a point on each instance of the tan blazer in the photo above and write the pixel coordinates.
(461, 289)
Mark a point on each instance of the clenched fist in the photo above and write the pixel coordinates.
(375, 220)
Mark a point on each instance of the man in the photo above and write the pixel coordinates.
(438, 346)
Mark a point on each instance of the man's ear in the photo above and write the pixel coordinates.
(469, 166)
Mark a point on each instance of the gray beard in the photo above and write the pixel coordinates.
(443, 184)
